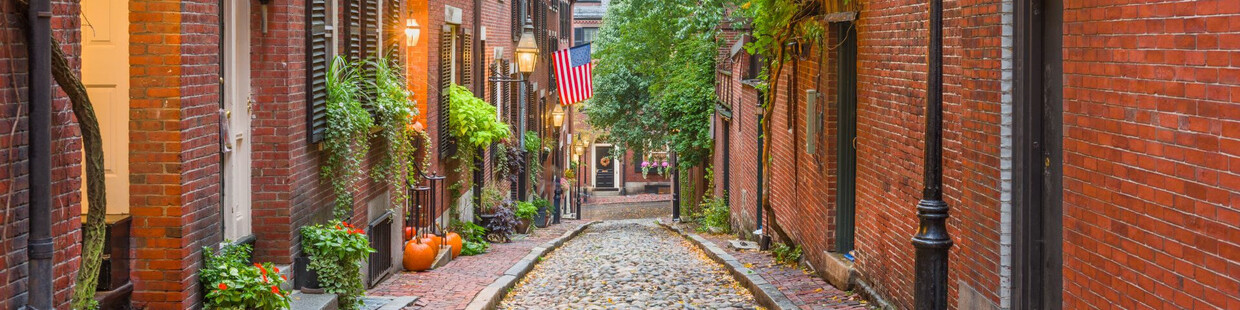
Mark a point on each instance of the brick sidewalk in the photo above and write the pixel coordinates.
(454, 285)
(802, 287)
(596, 200)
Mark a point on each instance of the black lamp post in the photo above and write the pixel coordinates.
(932, 240)
(675, 188)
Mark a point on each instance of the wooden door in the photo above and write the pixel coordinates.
(105, 73)
(846, 131)
(238, 106)
(605, 168)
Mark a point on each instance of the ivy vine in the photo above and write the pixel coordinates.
(474, 125)
(347, 134)
(394, 112)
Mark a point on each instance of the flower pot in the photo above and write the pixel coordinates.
(454, 240)
(540, 219)
(485, 219)
(418, 256)
(523, 226)
(304, 278)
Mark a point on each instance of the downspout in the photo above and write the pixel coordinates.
(39, 248)
(479, 88)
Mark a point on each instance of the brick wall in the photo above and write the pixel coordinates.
(743, 139)
(1151, 155)
(14, 168)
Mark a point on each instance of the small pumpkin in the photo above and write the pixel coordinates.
(408, 233)
(454, 240)
(432, 240)
(418, 256)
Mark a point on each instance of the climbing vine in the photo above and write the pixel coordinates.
(473, 124)
(394, 112)
(346, 138)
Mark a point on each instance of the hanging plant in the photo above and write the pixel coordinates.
(474, 125)
(533, 145)
(509, 162)
(394, 112)
(347, 135)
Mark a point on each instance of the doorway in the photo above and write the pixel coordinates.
(605, 168)
(238, 106)
(105, 73)
(846, 139)
(1038, 156)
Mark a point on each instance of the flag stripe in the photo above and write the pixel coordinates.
(575, 83)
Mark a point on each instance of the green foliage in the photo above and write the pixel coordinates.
(526, 210)
(347, 135)
(473, 237)
(714, 214)
(785, 254)
(533, 147)
(492, 198)
(655, 77)
(394, 112)
(473, 120)
(540, 203)
(336, 252)
(232, 282)
(532, 143)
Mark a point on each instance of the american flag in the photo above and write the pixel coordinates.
(572, 71)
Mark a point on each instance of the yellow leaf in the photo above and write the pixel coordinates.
(748, 265)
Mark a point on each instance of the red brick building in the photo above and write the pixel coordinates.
(1138, 209)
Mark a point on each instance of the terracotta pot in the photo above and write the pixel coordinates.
(408, 233)
(523, 226)
(454, 240)
(418, 256)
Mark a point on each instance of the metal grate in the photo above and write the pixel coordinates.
(380, 234)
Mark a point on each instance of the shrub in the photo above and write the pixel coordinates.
(336, 252)
(233, 283)
(785, 254)
(526, 210)
(503, 224)
(714, 214)
(473, 236)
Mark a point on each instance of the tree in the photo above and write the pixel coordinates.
(92, 146)
(655, 76)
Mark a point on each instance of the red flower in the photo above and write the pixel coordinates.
(338, 227)
(283, 277)
(275, 289)
(223, 286)
(277, 269)
(260, 268)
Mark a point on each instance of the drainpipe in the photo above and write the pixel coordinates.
(675, 188)
(39, 248)
(932, 240)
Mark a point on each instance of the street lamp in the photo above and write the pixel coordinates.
(412, 32)
(557, 116)
(527, 50)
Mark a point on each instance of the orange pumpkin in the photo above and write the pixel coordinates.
(432, 240)
(454, 241)
(418, 256)
(408, 233)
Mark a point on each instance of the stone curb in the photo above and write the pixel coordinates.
(764, 292)
(490, 296)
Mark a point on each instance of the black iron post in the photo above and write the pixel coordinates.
(675, 188)
(932, 240)
(559, 198)
(39, 248)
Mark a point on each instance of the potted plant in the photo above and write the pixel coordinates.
(502, 222)
(336, 253)
(542, 205)
(489, 205)
(525, 215)
(232, 282)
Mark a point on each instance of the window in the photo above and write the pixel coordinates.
(565, 19)
(584, 35)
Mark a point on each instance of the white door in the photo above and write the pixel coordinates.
(237, 110)
(105, 73)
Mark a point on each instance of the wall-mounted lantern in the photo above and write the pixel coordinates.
(412, 32)
(527, 50)
(557, 116)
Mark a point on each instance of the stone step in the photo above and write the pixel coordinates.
(304, 301)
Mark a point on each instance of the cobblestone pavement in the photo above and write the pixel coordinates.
(622, 211)
(631, 264)
(595, 200)
(802, 287)
(454, 285)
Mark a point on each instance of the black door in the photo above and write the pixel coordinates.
(1037, 157)
(846, 133)
(605, 174)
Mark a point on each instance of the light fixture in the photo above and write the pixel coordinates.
(557, 116)
(412, 32)
(527, 50)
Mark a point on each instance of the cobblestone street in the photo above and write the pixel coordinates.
(632, 264)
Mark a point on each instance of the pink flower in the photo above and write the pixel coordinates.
(665, 164)
(645, 164)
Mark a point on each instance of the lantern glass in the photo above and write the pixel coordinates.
(527, 51)
(412, 32)
(557, 116)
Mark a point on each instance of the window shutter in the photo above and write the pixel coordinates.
(467, 59)
(506, 91)
(518, 18)
(393, 30)
(565, 19)
(446, 145)
(555, 46)
(371, 29)
(317, 59)
(353, 30)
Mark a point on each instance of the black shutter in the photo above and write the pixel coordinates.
(518, 18)
(446, 145)
(467, 60)
(317, 60)
(565, 17)
(371, 29)
(353, 31)
(393, 30)
(555, 46)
